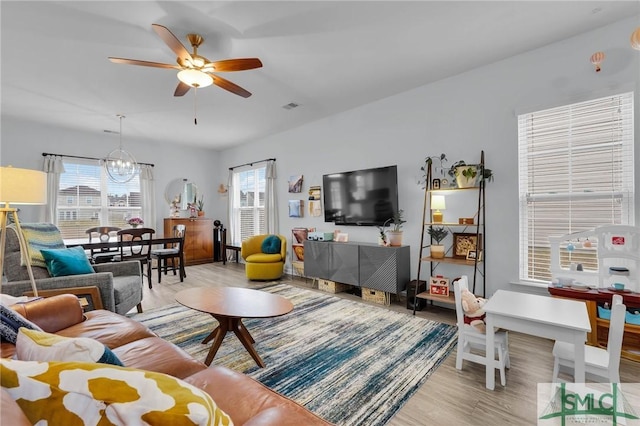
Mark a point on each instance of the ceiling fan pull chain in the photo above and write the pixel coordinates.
(195, 106)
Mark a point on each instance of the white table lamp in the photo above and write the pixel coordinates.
(437, 204)
(19, 187)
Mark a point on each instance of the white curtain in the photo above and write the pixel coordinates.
(233, 229)
(270, 204)
(147, 195)
(53, 167)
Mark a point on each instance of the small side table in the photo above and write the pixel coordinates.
(235, 248)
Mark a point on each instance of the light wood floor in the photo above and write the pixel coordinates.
(449, 396)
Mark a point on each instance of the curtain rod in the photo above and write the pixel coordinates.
(44, 154)
(251, 164)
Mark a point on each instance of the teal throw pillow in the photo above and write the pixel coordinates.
(271, 245)
(67, 261)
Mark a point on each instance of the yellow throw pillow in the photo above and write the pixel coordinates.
(33, 345)
(76, 393)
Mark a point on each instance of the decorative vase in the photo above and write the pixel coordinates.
(395, 238)
(200, 212)
(437, 251)
(466, 181)
(134, 225)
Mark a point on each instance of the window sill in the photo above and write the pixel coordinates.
(532, 284)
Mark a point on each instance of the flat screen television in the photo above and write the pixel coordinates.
(361, 197)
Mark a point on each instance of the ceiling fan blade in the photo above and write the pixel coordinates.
(181, 89)
(231, 87)
(237, 64)
(172, 41)
(143, 63)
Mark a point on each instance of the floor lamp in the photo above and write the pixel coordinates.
(19, 187)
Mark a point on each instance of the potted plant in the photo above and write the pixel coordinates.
(135, 222)
(395, 234)
(200, 206)
(428, 161)
(467, 175)
(382, 236)
(437, 234)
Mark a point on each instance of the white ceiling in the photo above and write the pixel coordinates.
(328, 56)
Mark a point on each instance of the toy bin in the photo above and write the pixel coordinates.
(604, 312)
(632, 316)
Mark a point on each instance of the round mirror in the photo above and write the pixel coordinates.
(182, 191)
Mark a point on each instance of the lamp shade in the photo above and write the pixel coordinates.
(635, 39)
(437, 202)
(195, 78)
(22, 186)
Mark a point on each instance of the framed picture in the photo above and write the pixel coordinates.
(296, 208)
(463, 242)
(89, 297)
(342, 237)
(295, 183)
(439, 286)
(435, 184)
(472, 254)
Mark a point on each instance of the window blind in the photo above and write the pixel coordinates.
(250, 196)
(87, 198)
(575, 173)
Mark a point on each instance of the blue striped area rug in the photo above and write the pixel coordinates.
(349, 362)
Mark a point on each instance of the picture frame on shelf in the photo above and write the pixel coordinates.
(439, 286)
(435, 184)
(463, 242)
(472, 254)
(89, 297)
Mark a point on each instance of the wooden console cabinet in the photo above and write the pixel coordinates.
(599, 326)
(198, 242)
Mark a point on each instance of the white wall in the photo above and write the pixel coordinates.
(458, 116)
(23, 143)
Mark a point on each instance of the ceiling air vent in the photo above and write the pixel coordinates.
(291, 105)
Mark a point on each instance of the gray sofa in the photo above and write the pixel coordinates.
(119, 283)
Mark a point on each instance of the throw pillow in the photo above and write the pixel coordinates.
(65, 393)
(11, 323)
(271, 245)
(39, 236)
(67, 261)
(32, 345)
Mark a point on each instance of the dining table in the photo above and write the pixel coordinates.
(554, 318)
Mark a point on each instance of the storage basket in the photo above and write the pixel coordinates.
(332, 286)
(632, 318)
(298, 267)
(604, 313)
(376, 296)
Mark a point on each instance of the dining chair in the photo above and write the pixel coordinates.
(173, 253)
(469, 338)
(601, 365)
(103, 234)
(137, 246)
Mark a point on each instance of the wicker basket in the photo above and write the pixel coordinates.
(298, 267)
(332, 286)
(376, 296)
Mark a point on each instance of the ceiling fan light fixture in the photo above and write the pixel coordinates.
(195, 78)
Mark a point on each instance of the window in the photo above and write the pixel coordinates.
(249, 206)
(575, 173)
(87, 198)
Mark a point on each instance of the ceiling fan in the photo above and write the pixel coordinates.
(195, 70)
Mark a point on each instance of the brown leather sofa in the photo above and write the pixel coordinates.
(245, 400)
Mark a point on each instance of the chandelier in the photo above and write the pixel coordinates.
(120, 165)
